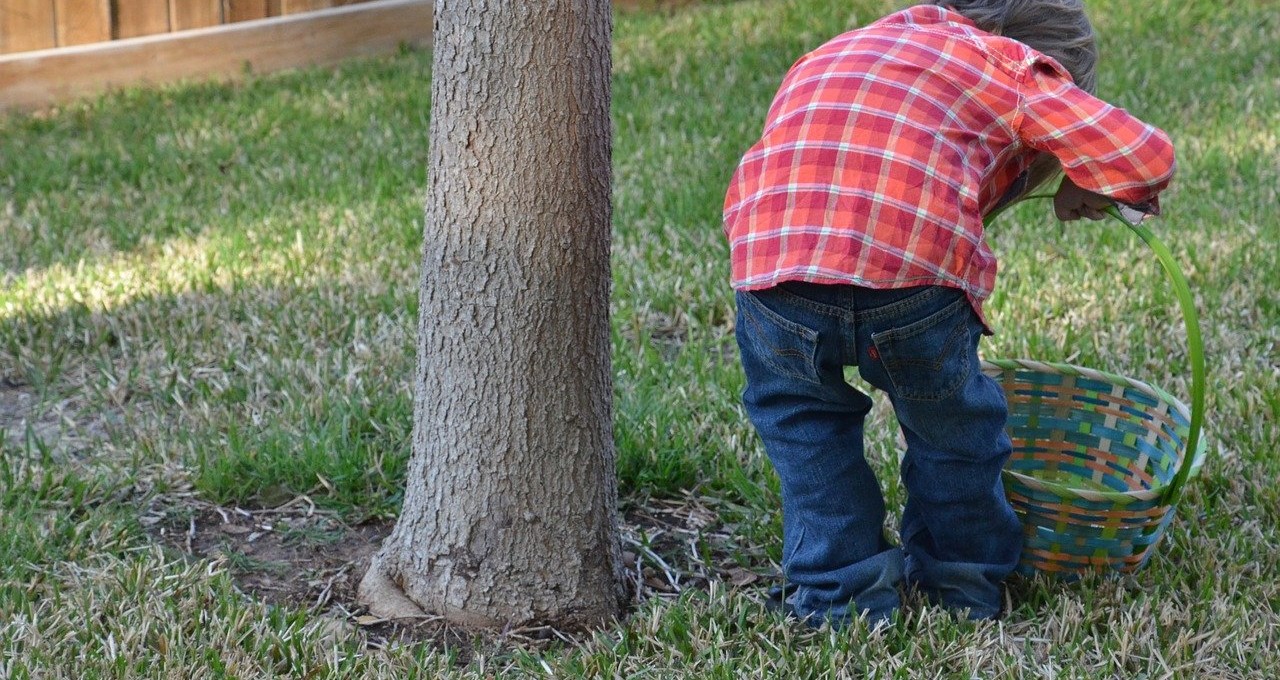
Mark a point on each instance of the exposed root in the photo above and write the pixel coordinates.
(383, 597)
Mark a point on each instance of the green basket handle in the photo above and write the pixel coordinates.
(1195, 344)
(1195, 347)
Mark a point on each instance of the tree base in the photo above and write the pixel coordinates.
(383, 597)
(386, 599)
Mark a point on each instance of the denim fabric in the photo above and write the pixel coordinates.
(960, 537)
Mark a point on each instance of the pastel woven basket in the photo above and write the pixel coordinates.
(1099, 460)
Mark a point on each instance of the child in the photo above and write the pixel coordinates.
(855, 227)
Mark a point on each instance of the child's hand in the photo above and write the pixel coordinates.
(1071, 202)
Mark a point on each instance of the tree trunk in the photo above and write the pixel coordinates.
(509, 515)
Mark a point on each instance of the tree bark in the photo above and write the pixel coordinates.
(509, 516)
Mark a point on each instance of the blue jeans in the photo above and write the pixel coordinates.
(960, 537)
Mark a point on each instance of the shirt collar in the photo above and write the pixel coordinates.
(928, 15)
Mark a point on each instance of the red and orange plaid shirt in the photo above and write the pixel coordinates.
(885, 147)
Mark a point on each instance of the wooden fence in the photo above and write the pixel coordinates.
(43, 24)
(227, 51)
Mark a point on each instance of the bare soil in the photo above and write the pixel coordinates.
(300, 557)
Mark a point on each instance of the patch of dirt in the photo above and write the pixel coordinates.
(301, 557)
(294, 555)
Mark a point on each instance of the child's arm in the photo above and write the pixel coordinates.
(1105, 151)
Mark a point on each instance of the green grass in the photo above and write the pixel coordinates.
(210, 291)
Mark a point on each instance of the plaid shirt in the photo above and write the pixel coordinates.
(885, 147)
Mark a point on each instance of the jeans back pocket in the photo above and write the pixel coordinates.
(930, 359)
(787, 348)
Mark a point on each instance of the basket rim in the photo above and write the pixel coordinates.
(1117, 497)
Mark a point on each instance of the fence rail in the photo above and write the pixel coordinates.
(27, 25)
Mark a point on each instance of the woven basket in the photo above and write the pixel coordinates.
(1099, 460)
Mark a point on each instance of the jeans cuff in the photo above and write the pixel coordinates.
(868, 588)
(958, 586)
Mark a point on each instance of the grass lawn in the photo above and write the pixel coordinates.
(207, 309)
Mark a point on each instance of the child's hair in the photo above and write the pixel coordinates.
(1057, 28)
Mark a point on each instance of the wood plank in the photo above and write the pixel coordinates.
(244, 10)
(136, 18)
(37, 79)
(188, 14)
(295, 6)
(82, 21)
(26, 25)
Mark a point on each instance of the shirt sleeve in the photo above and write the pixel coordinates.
(1102, 148)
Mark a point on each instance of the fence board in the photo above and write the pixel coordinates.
(244, 10)
(295, 6)
(141, 17)
(26, 25)
(82, 21)
(187, 14)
